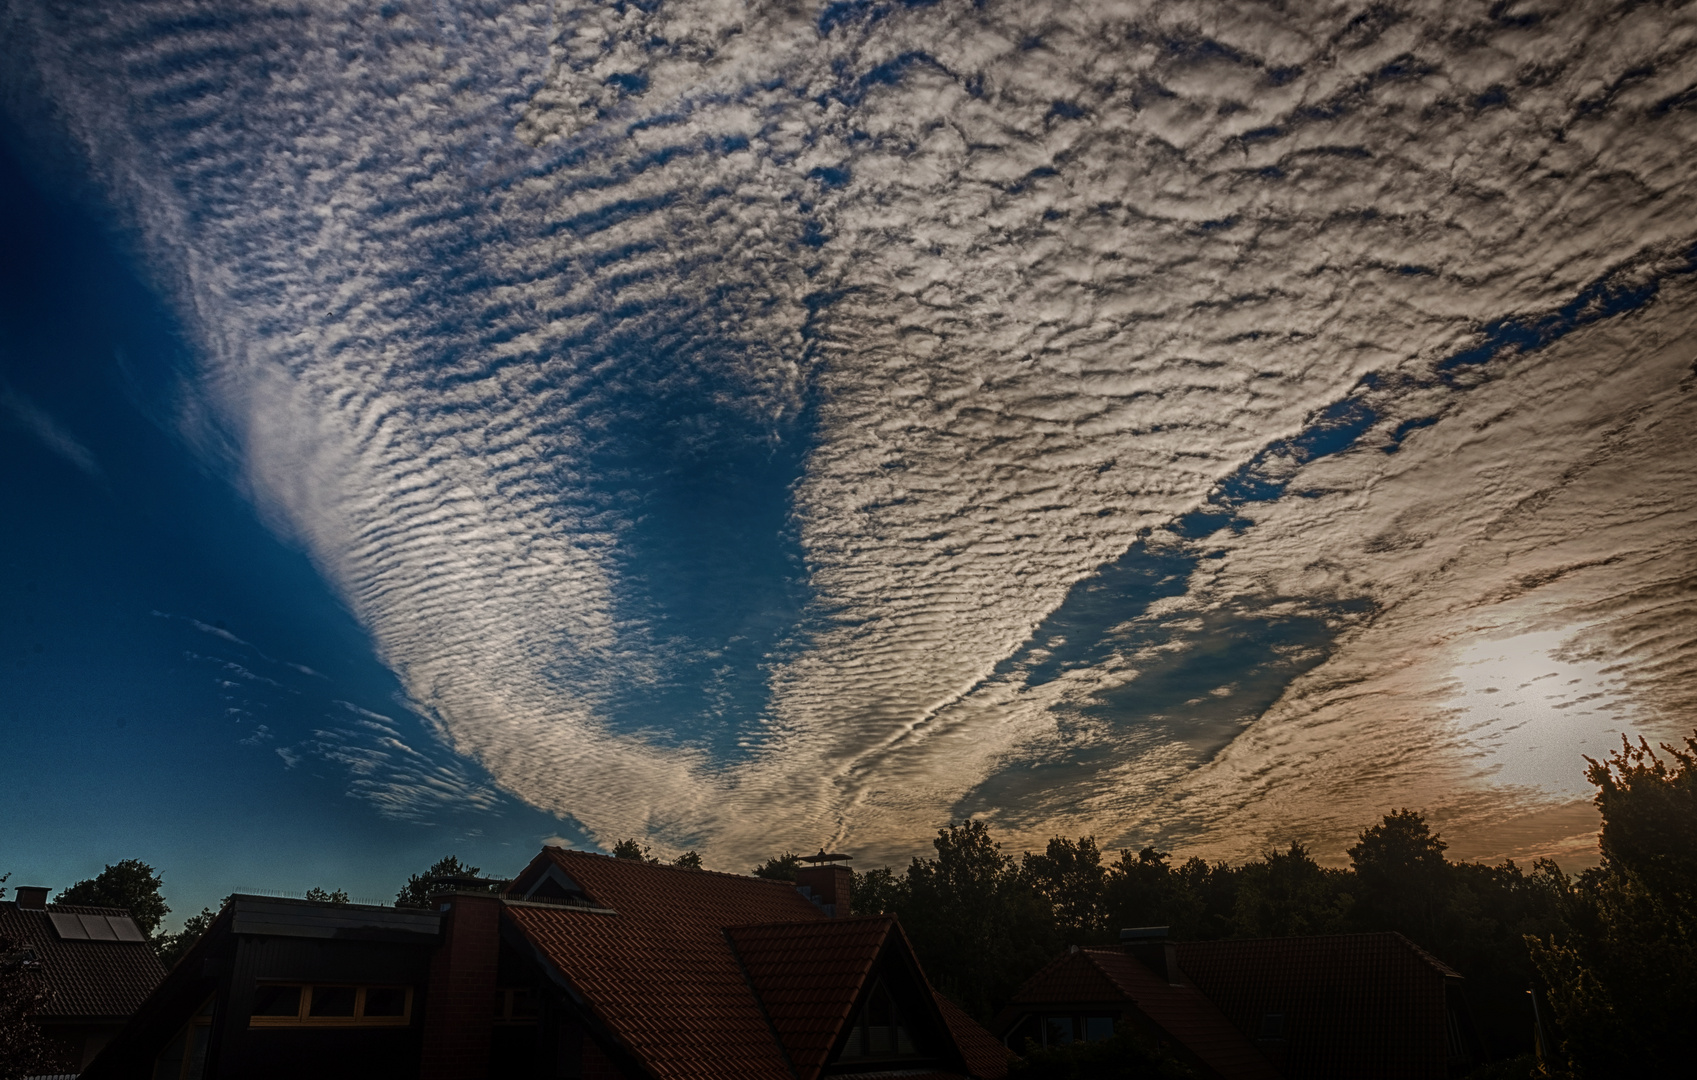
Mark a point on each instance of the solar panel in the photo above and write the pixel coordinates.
(97, 928)
(125, 927)
(68, 926)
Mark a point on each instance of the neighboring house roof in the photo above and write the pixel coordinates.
(1348, 1004)
(98, 965)
(1105, 977)
(708, 975)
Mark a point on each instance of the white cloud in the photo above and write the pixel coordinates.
(49, 432)
(1031, 280)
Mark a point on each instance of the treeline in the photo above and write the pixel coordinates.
(983, 921)
(1611, 953)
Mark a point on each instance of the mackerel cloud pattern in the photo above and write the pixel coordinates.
(783, 423)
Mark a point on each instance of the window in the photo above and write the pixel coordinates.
(184, 1057)
(1272, 1026)
(515, 1005)
(878, 1030)
(330, 1005)
(1059, 1029)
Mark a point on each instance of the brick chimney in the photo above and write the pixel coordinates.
(33, 897)
(824, 882)
(459, 1014)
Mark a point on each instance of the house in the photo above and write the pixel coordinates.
(585, 966)
(1304, 1008)
(1340, 1005)
(1083, 995)
(96, 961)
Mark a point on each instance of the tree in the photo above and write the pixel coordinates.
(24, 1050)
(323, 897)
(875, 892)
(978, 925)
(632, 849)
(171, 947)
(1287, 893)
(129, 884)
(417, 891)
(781, 868)
(689, 860)
(1621, 974)
(1401, 875)
(1071, 877)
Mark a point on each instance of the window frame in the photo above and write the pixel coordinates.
(509, 1015)
(303, 1016)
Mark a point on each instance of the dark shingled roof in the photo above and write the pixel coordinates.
(89, 979)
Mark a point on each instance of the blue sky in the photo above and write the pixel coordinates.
(445, 426)
(160, 643)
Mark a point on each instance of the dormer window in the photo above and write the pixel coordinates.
(878, 1029)
(556, 886)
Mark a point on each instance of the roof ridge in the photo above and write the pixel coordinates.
(668, 866)
(1397, 935)
(85, 909)
(1448, 971)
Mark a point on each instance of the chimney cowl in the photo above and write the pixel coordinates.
(33, 897)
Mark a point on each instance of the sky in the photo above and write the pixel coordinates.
(450, 426)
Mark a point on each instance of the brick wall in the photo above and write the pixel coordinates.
(459, 1009)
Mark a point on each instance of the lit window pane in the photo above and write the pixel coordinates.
(277, 1001)
(385, 1001)
(332, 1001)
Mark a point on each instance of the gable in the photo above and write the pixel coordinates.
(808, 977)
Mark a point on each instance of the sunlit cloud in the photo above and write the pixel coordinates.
(762, 426)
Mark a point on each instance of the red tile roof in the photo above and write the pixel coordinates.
(89, 979)
(1352, 1004)
(707, 975)
(984, 1053)
(659, 973)
(1104, 976)
(808, 975)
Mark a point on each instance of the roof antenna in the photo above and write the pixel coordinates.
(824, 858)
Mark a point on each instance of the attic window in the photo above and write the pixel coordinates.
(879, 1030)
(556, 885)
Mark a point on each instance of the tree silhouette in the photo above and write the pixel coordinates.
(130, 884)
(1621, 974)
